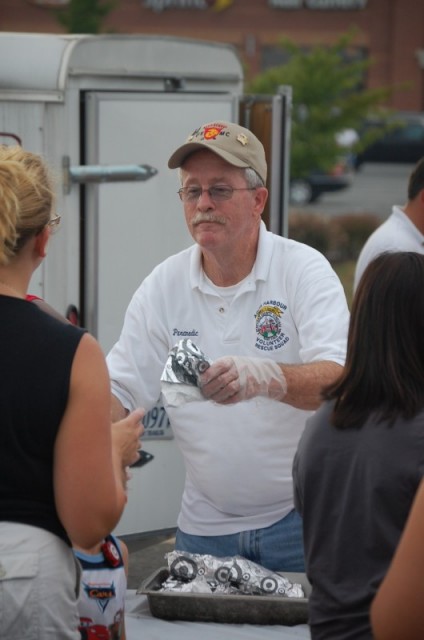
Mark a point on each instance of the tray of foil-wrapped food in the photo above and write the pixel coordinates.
(204, 588)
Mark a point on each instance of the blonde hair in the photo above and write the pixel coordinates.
(26, 199)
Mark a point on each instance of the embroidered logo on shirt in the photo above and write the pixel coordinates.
(269, 333)
(184, 333)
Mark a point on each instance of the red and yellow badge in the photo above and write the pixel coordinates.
(211, 132)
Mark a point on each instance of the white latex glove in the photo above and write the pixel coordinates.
(231, 379)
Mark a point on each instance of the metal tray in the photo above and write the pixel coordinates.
(240, 609)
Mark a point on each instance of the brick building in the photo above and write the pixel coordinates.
(389, 32)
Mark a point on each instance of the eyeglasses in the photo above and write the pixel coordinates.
(218, 193)
(54, 222)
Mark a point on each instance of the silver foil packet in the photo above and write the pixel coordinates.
(180, 379)
(185, 364)
(197, 573)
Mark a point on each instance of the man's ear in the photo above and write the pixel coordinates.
(41, 242)
(261, 196)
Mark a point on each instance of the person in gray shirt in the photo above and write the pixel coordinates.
(360, 459)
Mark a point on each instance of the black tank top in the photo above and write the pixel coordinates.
(36, 355)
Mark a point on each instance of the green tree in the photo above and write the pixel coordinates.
(326, 100)
(85, 16)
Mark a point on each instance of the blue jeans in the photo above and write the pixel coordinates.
(278, 547)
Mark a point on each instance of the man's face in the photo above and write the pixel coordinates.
(225, 223)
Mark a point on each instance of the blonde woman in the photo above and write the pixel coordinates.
(61, 469)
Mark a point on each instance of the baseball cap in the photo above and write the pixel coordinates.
(232, 142)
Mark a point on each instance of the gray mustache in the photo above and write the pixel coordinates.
(207, 217)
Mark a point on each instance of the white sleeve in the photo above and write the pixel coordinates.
(137, 359)
(320, 310)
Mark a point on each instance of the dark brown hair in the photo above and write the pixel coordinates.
(384, 369)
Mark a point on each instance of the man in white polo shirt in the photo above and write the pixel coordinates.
(271, 315)
(402, 231)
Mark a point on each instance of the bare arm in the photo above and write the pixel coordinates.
(397, 610)
(231, 379)
(306, 381)
(88, 472)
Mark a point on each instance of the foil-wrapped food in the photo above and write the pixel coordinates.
(180, 380)
(196, 573)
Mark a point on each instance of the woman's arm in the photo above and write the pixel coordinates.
(88, 472)
(397, 611)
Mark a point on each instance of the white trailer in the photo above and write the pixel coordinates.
(106, 112)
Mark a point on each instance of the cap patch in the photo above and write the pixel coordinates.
(242, 139)
(210, 133)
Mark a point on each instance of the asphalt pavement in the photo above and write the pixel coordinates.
(375, 188)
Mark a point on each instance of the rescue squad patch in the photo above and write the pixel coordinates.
(269, 333)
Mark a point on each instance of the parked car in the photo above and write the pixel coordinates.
(403, 143)
(309, 189)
